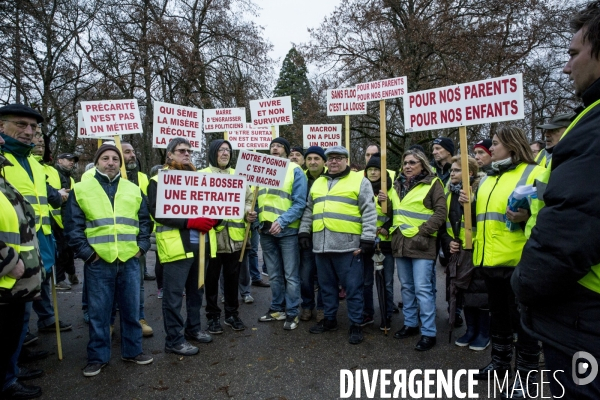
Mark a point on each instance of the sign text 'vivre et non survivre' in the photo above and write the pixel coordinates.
(189, 194)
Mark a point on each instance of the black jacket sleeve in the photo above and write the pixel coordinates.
(74, 222)
(54, 198)
(565, 243)
(143, 238)
(179, 223)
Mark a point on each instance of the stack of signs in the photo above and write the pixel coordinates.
(172, 120)
(261, 169)
(322, 135)
(474, 103)
(189, 194)
(111, 117)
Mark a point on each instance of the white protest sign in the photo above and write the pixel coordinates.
(474, 103)
(189, 194)
(82, 131)
(381, 90)
(322, 135)
(269, 112)
(111, 117)
(172, 120)
(224, 119)
(343, 102)
(251, 137)
(261, 169)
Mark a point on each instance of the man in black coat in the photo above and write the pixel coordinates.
(557, 281)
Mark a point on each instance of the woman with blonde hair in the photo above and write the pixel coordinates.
(497, 249)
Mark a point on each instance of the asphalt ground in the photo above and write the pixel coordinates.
(262, 362)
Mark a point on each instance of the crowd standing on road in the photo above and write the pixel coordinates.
(532, 276)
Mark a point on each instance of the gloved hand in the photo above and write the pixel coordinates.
(367, 246)
(304, 241)
(202, 224)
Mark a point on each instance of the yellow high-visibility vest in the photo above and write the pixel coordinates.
(412, 212)
(53, 180)
(275, 202)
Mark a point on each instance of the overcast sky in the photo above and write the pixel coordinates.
(286, 21)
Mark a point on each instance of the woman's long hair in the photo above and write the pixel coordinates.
(515, 141)
(419, 156)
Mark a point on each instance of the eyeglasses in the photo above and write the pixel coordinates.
(412, 163)
(336, 158)
(221, 151)
(23, 125)
(183, 151)
(455, 171)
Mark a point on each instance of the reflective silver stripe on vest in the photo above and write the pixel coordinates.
(236, 225)
(340, 199)
(43, 200)
(342, 217)
(163, 228)
(490, 216)
(412, 214)
(541, 189)
(405, 226)
(55, 212)
(382, 218)
(273, 210)
(526, 173)
(10, 238)
(37, 219)
(481, 181)
(111, 238)
(45, 220)
(31, 199)
(449, 225)
(276, 192)
(109, 221)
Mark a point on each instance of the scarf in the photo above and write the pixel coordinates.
(171, 164)
(455, 187)
(407, 183)
(502, 165)
(377, 185)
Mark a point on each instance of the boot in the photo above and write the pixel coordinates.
(472, 327)
(502, 348)
(525, 386)
(482, 341)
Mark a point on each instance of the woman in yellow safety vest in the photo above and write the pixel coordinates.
(497, 249)
(421, 213)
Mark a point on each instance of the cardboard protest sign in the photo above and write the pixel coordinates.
(189, 194)
(82, 131)
(251, 137)
(381, 90)
(172, 120)
(224, 119)
(322, 135)
(343, 102)
(270, 112)
(111, 117)
(261, 169)
(474, 103)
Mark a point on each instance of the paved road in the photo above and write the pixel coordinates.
(262, 362)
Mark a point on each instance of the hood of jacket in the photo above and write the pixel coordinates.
(213, 153)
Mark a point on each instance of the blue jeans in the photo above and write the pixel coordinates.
(282, 257)
(388, 274)
(344, 268)
(13, 369)
(43, 307)
(105, 280)
(417, 285)
(308, 268)
(253, 255)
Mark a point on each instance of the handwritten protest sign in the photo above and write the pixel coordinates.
(270, 112)
(111, 117)
(343, 102)
(189, 194)
(474, 103)
(82, 131)
(381, 90)
(172, 120)
(322, 135)
(251, 137)
(261, 169)
(224, 119)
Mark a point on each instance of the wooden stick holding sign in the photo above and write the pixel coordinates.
(123, 169)
(201, 259)
(382, 151)
(343, 102)
(56, 320)
(347, 141)
(464, 164)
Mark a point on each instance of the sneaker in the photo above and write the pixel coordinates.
(214, 326)
(183, 349)
(324, 325)
(264, 273)
(148, 277)
(140, 359)
(222, 299)
(291, 323)
(367, 320)
(305, 314)
(146, 329)
(92, 369)
(387, 325)
(235, 323)
(355, 335)
(86, 317)
(29, 338)
(63, 326)
(273, 316)
(73, 279)
(248, 299)
(159, 294)
(28, 356)
(320, 315)
(200, 337)
(260, 283)
(62, 285)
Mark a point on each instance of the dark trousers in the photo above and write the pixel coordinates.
(557, 360)
(65, 260)
(158, 271)
(11, 325)
(230, 264)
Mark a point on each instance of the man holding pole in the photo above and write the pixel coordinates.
(280, 211)
(108, 225)
(229, 236)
